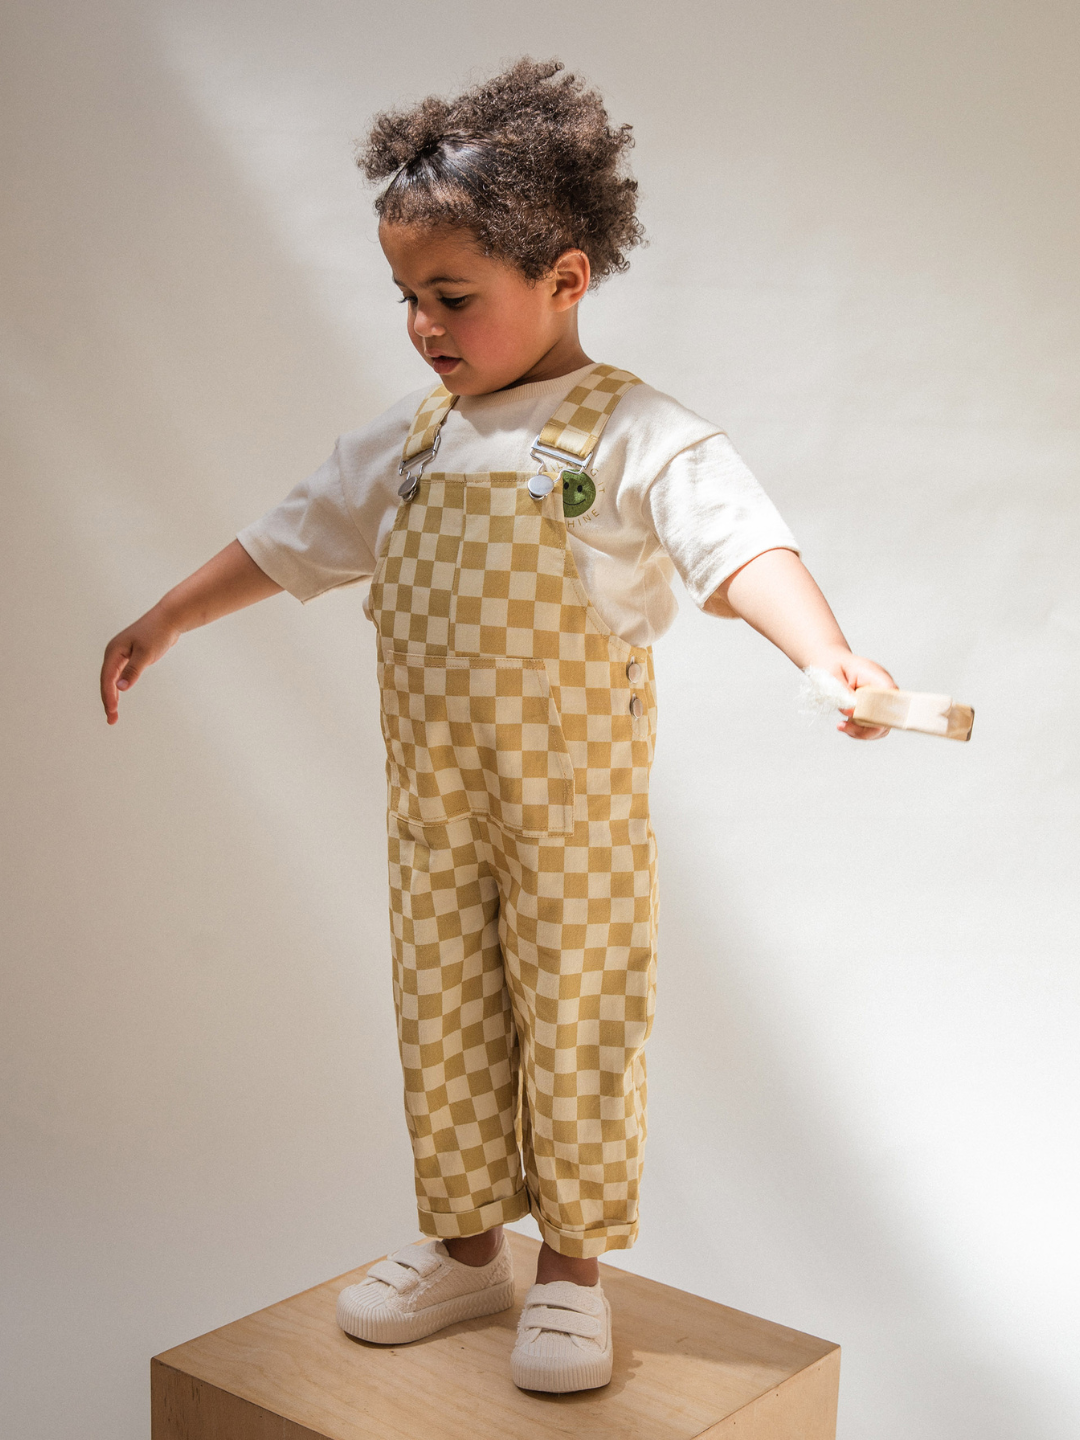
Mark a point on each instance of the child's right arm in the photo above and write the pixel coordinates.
(228, 582)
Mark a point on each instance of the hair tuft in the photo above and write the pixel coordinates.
(527, 161)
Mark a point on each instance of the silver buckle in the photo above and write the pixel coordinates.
(408, 488)
(541, 484)
(540, 453)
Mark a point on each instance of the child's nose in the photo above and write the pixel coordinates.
(423, 324)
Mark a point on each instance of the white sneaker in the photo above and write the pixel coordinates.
(419, 1290)
(564, 1339)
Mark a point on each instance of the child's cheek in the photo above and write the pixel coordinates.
(490, 342)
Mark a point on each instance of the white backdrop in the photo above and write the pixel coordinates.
(863, 220)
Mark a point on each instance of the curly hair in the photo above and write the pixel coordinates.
(528, 163)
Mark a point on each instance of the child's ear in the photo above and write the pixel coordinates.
(570, 276)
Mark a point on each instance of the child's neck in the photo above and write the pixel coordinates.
(564, 357)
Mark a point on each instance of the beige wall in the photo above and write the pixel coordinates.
(864, 1074)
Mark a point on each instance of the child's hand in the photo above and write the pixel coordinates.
(855, 670)
(128, 654)
(226, 583)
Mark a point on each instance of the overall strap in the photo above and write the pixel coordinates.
(579, 421)
(427, 423)
(574, 429)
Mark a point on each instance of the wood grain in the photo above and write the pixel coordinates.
(684, 1368)
(184, 1408)
(803, 1408)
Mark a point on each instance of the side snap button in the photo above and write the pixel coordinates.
(637, 709)
(541, 485)
(634, 672)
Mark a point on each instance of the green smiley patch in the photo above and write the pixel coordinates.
(579, 493)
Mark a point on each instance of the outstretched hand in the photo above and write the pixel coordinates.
(128, 654)
(854, 671)
(225, 583)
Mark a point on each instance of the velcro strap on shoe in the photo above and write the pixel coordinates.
(564, 1322)
(418, 1258)
(396, 1276)
(405, 1268)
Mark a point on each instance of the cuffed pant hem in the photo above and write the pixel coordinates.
(587, 1244)
(456, 1225)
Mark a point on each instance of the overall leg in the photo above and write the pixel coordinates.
(455, 1029)
(577, 925)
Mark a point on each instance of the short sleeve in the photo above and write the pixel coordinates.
(711, 516)
(310, 543)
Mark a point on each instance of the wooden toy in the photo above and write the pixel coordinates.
(913, 710)
(823, 694)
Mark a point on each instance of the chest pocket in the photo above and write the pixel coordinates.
(475, 736)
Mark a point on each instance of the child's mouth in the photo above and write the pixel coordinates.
(443, 364)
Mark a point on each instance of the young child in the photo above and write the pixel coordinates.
(519, 525)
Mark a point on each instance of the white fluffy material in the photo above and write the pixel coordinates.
(822, 694)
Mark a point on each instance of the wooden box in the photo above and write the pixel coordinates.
(684, 1367)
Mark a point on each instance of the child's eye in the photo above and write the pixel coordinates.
(407, 300)
(453, 302)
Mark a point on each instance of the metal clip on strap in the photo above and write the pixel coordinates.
(542, 484)
(409, 486)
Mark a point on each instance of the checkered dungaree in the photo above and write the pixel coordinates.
(522, 863)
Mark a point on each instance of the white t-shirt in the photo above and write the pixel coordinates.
(671, 495)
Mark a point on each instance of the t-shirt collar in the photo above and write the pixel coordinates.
(533, 391)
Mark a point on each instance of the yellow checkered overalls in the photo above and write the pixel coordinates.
(519, 733)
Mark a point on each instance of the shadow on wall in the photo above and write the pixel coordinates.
(725, 1085)
(172, 384)
(195, 1008)
(156, 317)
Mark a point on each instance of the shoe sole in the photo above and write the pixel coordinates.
(564, 1379)
(383, 1329)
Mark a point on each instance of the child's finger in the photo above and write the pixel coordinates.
(114, 667)
(862, 732)
(109, 700)
(109, 697)
(132, 670)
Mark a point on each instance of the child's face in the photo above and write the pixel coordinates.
(476, 320)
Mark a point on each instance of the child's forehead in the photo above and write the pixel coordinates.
(434, 255)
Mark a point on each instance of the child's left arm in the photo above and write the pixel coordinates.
(776, 594)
